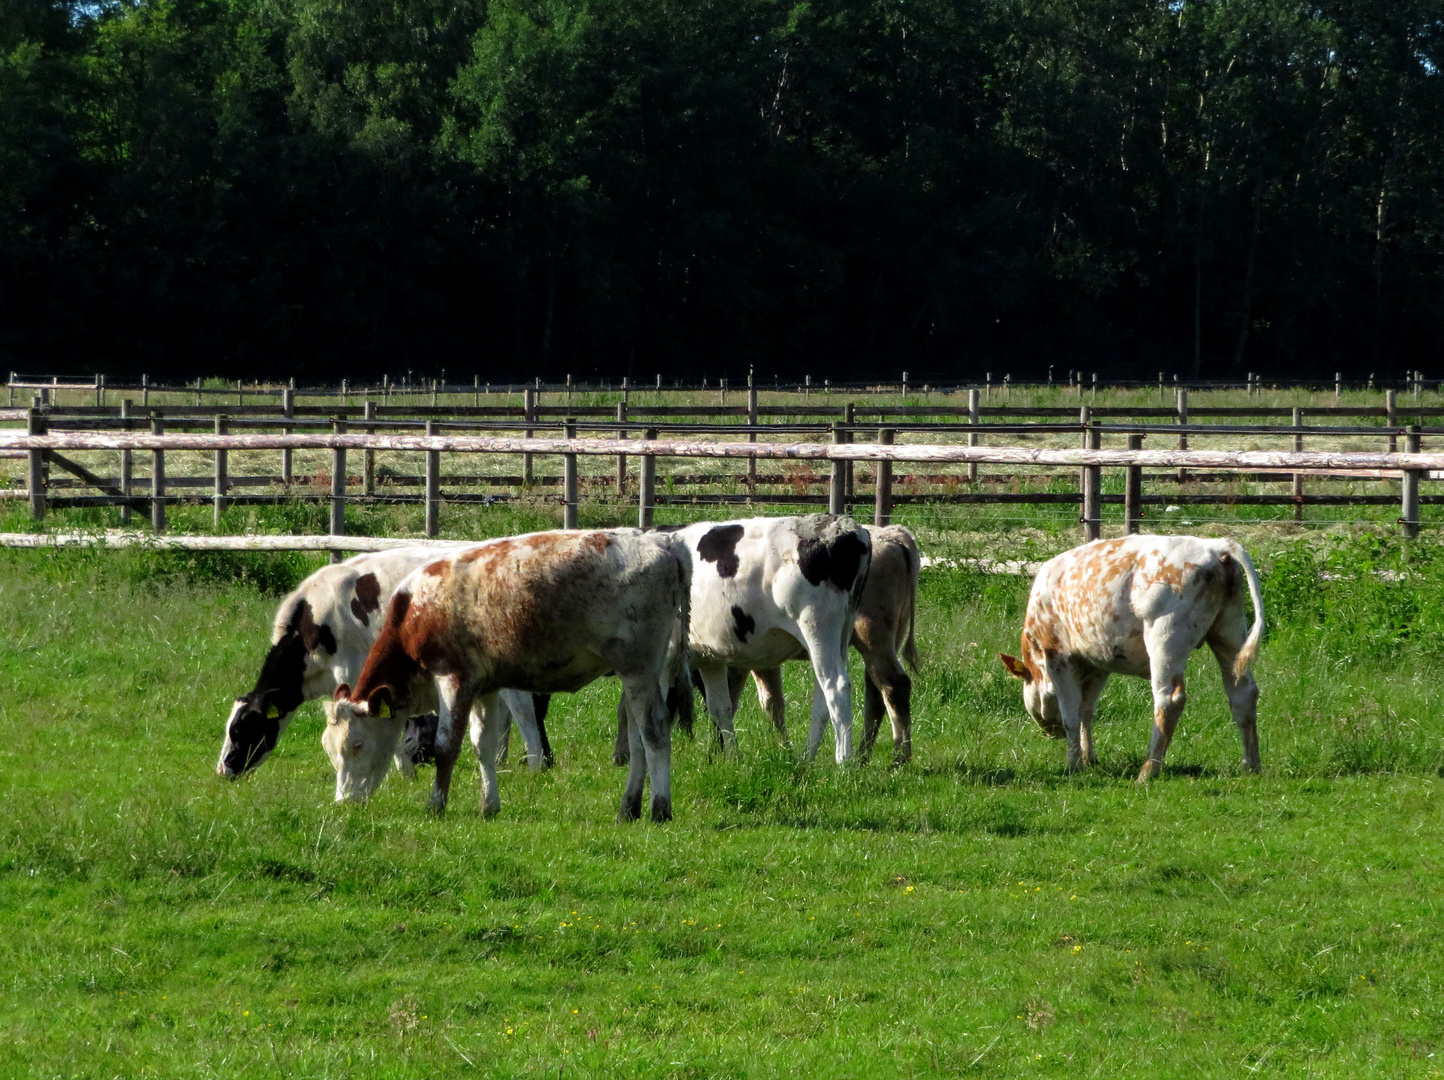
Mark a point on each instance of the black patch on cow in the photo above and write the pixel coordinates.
(837, 559)
(367, 598)
(719, 545)
(312, 633)
(742, 623)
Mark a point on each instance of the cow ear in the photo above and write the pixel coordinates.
(379, 703)
(341, 693)
(1016, 667)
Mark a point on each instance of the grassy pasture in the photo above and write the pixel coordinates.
(979, 911)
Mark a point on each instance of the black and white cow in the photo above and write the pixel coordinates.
(769, 590)
(882, 630)
(322, 633)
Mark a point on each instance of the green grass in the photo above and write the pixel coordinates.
(979, 911)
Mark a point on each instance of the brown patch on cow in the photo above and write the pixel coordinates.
(493, 551)
(315, 634)
(439, 569)
(367, 598)
(388, 663)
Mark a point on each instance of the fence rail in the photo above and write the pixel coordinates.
(44, 448)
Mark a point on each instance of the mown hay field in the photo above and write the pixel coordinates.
(979, 911)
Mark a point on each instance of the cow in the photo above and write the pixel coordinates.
(546, 612)
(1138, 605)
(769, 590)
(882, 627)
(320, 638)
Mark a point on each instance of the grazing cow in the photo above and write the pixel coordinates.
(768, 590)
(1138, 606)
(882, 628)
(320, 638)
(546, 612)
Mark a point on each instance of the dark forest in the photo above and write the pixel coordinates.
(851, 188)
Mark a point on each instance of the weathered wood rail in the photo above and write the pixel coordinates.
(1410, 467)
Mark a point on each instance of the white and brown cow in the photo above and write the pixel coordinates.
(769, 590)
(881, 630)
(545, 612)
(321, 635)
(1139, 606)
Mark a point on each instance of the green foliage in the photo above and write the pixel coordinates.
(539, 186)
(1366, 596)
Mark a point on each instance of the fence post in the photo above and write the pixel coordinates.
(368, 457)
(157, 477)
(1298, 477)
(647, 495)
(752, 438)
(1338, 385)
(144, 391)
(1133, 490)
(1182, 422)
(433, 485)
(1410, 516)
(1089, 478)
(240, 394)
(288, 407)
(569, 478)
(1391, 408)
(528, 402)
(338, 486)
(848, 413)
(476, 390)
(127, 467)
(99, 391)
(621, 458)
(882, 497)
(36, 424)
(836, 488)
(218, 500)
(975, 417)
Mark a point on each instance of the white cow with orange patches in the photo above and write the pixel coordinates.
(1139, 605)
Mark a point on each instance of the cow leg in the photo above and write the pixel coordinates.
(541, 703)
(523, 711)
(495, 717)
(872, 713)
(1068, 694)
(454, 699)
(717, 689)
(1092, 689)
(650, 734)
(1242, 693)
(1169, 698)
(622, 750)
(769, 696)
(894, 690)
(503, 749)
(832, 688)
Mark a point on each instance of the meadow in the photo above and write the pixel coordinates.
(979, 911)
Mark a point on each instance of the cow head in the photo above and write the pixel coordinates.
(1038, 695)
(256, 722)
(360, 738)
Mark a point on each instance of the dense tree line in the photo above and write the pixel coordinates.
(846, 187)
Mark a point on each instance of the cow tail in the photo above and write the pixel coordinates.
(679, 671)
(910, 647)
(1249, 652)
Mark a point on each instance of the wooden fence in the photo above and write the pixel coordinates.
(43, 448)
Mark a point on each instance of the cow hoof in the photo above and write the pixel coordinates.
(631, 810)
(661, 809)
(490, 810)
(621, 759)
(1148, 772)
(436, 805)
